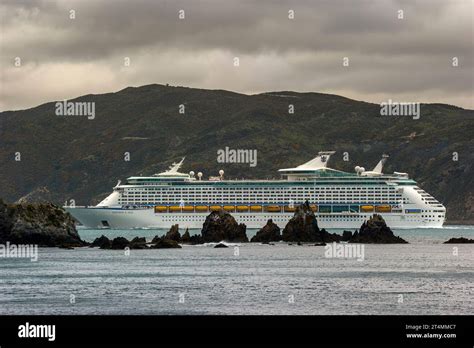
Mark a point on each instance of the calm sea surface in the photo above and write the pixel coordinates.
(423, 277)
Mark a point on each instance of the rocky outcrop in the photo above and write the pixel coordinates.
(196, 239)
(164, 243)
(138, 243)
(221, 226)
(375, 230)
(43, 224)
(186, 237)
(268, 233)
(173, 233)
(303, 227)
(460, 240)
(220, 245)
(346, 236)
(102, 242)
(119, 243)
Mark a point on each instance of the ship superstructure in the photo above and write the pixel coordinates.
(339, 199)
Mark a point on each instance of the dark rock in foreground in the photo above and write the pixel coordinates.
(220, 245)
(173, 233)
(220, 225)
(460, 240)
(119, 243)
(375, 230)
(43, 224)
(138, 243)
(166, 244)
(268, 233)
(196, 239)
(303, 227)
(346, 236)
(102, 242)
(186, 237)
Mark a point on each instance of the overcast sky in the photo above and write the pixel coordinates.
(409, 59)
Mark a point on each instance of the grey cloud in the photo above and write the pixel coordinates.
(387, 56)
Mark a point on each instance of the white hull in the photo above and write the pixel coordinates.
(116, 218)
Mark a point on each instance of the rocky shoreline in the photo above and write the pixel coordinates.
(43, 224)
(47, 225)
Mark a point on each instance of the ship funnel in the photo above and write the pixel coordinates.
(318, 162)
(378, 168)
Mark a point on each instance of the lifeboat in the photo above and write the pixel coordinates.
(255, 208)
(174, 208)
(366, 208)
(242, 208)
(289, 209)
(273, 208)
(160, 209)
(188, 208)
(229, 207)
(200, 208)
(383, 208)
(313, 207)
(215, 207)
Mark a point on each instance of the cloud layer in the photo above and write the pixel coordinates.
(407, 59)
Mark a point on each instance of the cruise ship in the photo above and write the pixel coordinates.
(339, 199)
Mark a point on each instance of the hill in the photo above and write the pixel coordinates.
(72, 157)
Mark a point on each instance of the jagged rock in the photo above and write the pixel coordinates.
(119, 243)
(138, 243)
(303, 227)
(155, 239)
(166, 244)
(196, 239)
(220, 245)
(268, 233)
(375, 230)
(173, 233)
(102, 242)
(460, 240)
(41, 224)
(186, 238)
(346, 236)
(220, 225)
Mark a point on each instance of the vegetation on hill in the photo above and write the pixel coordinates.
(72, 157)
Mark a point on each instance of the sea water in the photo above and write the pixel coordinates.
(423, 277)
